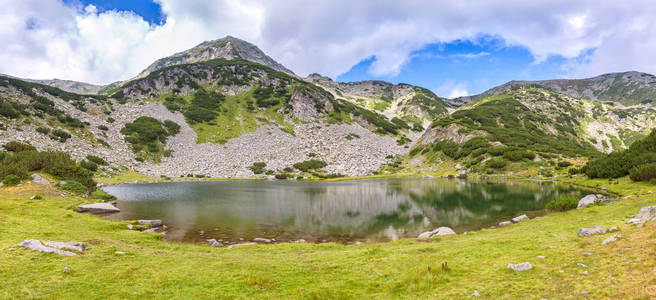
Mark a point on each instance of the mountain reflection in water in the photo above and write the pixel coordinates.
(367, 210)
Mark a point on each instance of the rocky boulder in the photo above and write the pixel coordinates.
(525, 266)
(77, 246)
(505, 223)
(589, 200)
(37, 246)
(591, 231)
(645, 214)
(98, 208)
(152, 223)
(436, 232)
(39, 180)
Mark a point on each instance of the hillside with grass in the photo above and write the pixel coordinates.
(529, 129)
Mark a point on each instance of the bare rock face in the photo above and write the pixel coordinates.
(39, 180)
(98, 208)
(589, 200)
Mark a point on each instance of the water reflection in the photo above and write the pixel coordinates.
(371, 210)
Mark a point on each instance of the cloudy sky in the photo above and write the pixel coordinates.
(454, 47)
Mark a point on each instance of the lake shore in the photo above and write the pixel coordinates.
(120, 263)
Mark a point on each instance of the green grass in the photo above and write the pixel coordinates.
(152, 268)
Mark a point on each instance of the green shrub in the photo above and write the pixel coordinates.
(98, 160)
(43, 130)
(150, 134)
(281, 176)
(11, 180)
(74, 187)
(497, 151)
(103, 127)
(110, 120)
(60, 135)
(564, 164)
(258, 167)
(496, 163)
(308, 165)
(102, 195)
(517, 155)
(14, 146)
(565, 203)
(643, 172)
(89, 165)
(546, 173)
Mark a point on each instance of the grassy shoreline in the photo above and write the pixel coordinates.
(408, 268)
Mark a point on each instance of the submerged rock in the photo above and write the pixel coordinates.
(98, 208)
(262, 240)
(591, 231)
(436, 232)
(525, 266)
(153, 223)
(37, 246)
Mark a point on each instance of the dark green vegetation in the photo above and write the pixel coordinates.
(22, 160)
(148, 136)
(564, 203)
(427, 101)
(310, 165)
(344, 111)
(639, 161)
(258, 167)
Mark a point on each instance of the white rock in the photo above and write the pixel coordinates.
(98, 208)
(241, 244)
(77, 246)
(519, 218)
(525, 266)
(589, 200)
(37, 246)
(591, 231)
(436, 232)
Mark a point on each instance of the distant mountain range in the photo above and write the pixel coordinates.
(238, 109)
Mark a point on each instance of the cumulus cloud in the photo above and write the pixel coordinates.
(452, 89)
(47, 38)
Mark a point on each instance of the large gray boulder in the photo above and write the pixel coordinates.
(525, 266)
(39, 180)
(37, 246)
(436, 232)
(589, 200)
(591, 231)
(98, 208)
(647, 213)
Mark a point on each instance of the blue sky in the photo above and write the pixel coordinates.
(453, 47)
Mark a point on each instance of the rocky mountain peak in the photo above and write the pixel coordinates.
(228, 47)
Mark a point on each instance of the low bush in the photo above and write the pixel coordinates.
(11, 180)
(517, 155)
(565, 203)
(74, 187)
(18, 147)
(258, 167)
(496, 163)
(60, 135)
(102, 195)
(89, 165)
(308, 165)
(98, 160)
(643, 172)
(564, 164)
(43, 130)
(281, 176)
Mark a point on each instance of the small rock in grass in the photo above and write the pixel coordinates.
(585, 292)
(552, 247)
(505, 223)
(587, 253)
(625, 249)
(437, 232)
(612, 229)
(519, 218)
(39, 180)
(525, 266)
(216, 244)
(561, 271)
(262, 240)
(119, 252)
(585, 272)
(582, 265)
(153, 223)
(541, 256)
(77, 246)
(475, 294)
(67, 269)
(241, 244)
(611, 239)
(591, 231)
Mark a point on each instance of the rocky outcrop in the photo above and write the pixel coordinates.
(645, 214)
(98, 208)
(591, 231)
(54, 247)
(39, 180)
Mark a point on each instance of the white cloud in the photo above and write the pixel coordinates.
(452, 89)
(46, 38)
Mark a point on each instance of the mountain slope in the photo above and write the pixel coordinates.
(627, 88)
(415, 105)
(227, 48)
(529, 121)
